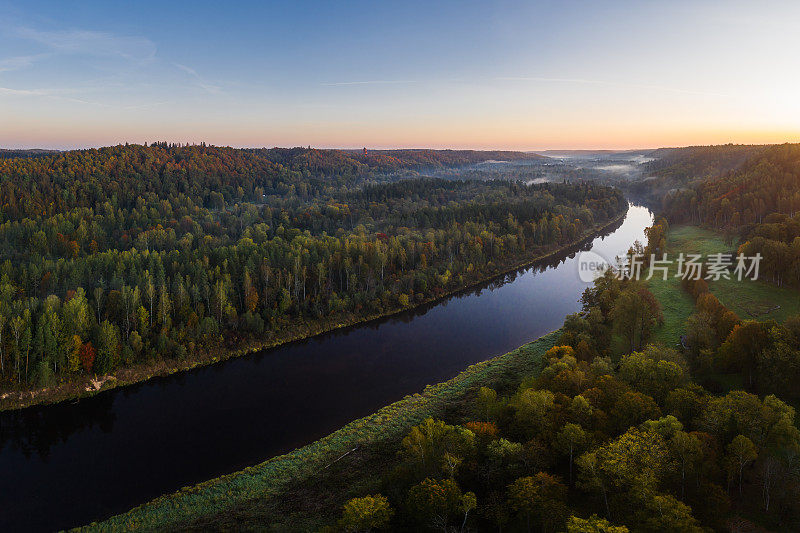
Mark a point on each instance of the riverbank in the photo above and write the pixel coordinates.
(82, 387)
(254, 487)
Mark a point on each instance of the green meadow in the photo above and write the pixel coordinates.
(751, 300)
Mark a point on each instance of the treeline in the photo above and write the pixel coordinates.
(777, 239)
(130, 254)
(198, 176)
(676, 170)
(766, 182)
(386, 161)
(765, 354)
(693, 164)
(22, 152)
(600, 439)
(535, 171)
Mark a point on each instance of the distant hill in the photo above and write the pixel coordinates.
(731, 185)
(123, 173)
(317, 160)
(8, 153)
(692, 163)
(384, 160)
(583, 153)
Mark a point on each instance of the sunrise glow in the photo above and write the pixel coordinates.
(514, 75)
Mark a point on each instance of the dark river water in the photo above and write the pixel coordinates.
(72, 463)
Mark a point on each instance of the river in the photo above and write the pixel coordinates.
(72, 463)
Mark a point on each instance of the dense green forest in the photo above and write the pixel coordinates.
(674, 172)
(777, 239)
(612, 433)
(748, 184)
(695, 164)
(124, 255)
(751, 192)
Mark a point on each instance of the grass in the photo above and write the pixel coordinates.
(326, 473)
(751, 300)
(755, 300)
(676, 304)
(696, 240)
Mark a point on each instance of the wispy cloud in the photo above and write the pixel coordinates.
(147, 106)
(60, 94)
(367, 82)
(199, 81)
(584, 81)
(25, 92)
(64, 96)
(95, 43)
(18, 62)
(123, 51)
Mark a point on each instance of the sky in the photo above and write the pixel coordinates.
(383, 74)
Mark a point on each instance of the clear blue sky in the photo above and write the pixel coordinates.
(523, 75)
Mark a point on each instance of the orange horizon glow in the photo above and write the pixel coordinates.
(566, 141)
(520, 76)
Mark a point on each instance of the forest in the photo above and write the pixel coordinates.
(752, 193)
(736, 190)
(611, 433)
(126, 255)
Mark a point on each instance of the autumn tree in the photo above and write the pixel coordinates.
(741, 452)
(632, 463)
(366, 513)
(487, 403)
(542, 497)
(743, 347)
(433, 446)
(593, 524)
(569, 440)
(87, 357)
(635, 314)
(654, 371)
(434, 502)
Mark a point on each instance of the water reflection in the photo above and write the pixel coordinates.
(72, 463)
(35, 430)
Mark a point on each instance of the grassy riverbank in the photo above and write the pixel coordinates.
(81, 387)
(750, 300)
(332, 467)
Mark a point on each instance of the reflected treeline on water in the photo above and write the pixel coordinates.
(540, 265)
(496, 282)
(35, 430)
